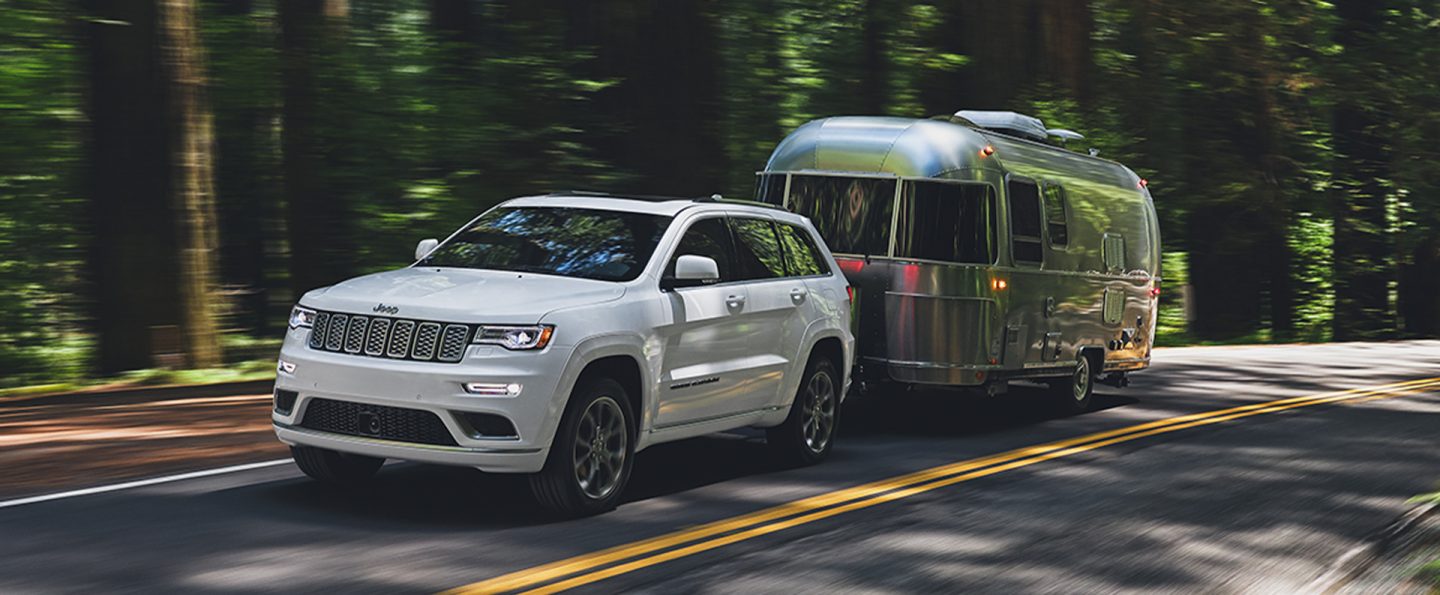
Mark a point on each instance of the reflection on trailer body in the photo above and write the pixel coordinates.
(977, 257)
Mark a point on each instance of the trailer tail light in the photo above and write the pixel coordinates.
(999, 284)
(1155, 290)
(987, 151)
(1144, 183)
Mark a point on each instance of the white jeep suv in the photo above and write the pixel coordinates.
(559, 335)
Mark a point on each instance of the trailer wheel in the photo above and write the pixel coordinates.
(1075, 394)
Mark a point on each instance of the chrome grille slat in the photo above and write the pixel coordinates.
(379, 332)
(317, 330)
(355, 337)
(400, 339)
(452, 343)
(396, 338)
(335, 338)
(427, 334)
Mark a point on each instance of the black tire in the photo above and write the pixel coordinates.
(1074, 394)
(340, 468)
(587, 443)
(808, 433)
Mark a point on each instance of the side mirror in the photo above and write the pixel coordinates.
(692, 270)
(425, 247)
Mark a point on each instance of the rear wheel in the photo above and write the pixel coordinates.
(1075, 394)
(335, 467)
(591, 457)
(808, 433)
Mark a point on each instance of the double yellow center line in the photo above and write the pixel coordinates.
(603, 564)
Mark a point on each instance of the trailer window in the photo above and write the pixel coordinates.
(1025, 242)
(1113, 253)
(851, 214)
(770, 188)
(1055, 215)
(947, 222)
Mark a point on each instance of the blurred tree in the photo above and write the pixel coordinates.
(1414, 33)
(1363, 258)
(152, 249)
(244, 96)
(190, 127)
(319, 218)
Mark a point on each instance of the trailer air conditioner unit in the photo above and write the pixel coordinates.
(1009, 123)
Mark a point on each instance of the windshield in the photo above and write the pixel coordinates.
(586, 243)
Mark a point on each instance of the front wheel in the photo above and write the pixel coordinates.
(1074, 395)
(333, 467)
(808, 433)
(590, 458)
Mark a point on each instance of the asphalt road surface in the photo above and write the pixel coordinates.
(1219, 470)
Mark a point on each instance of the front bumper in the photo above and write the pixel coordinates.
(436, 388)
(489, 458)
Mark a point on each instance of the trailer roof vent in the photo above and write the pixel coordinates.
(1009, 123)
(1014, 124)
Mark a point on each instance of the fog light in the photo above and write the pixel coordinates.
(492, 389)
(286, 367)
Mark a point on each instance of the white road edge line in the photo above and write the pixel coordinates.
(141, 483)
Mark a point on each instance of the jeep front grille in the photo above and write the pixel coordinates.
(394, 338)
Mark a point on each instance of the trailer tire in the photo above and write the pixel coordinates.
(1074, 394)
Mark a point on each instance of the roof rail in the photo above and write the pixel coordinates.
(713, 198)
(597, 194)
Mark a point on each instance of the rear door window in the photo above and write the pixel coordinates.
(851, 214)
(947, 222)
(1026, 244)
(757, 249)
(802, 256)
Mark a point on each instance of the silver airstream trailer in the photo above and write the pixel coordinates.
(978, 252)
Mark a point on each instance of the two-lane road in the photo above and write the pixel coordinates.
(1221, 469)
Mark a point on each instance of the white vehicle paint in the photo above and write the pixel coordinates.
(560, 312)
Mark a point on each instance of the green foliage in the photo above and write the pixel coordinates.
(1225, 106)
(41, 226)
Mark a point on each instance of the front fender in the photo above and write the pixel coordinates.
(591, 350)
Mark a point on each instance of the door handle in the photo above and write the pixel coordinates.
(797, 295)
(735, 302)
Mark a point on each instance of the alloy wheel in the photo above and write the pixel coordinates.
(601, 442)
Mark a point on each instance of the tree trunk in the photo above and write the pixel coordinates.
(131, 251)
(318, 216)
(1065, 55)
(874, 63)
(152, 256)
(192, 198)
(244, 172)
(1363, 270)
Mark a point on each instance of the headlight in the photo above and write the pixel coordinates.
(301, 317)
(516, 337)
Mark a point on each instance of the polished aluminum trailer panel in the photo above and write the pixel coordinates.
(976, 256)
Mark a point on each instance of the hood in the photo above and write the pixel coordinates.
(461, 295)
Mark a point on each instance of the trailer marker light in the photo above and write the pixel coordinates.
(999, 284)
(1144, 183)
(850, 294)
(987, 151)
